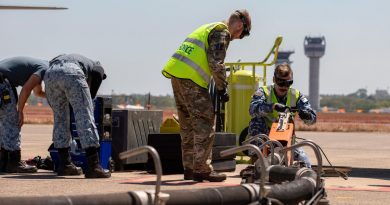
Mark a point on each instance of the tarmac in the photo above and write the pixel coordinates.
(367, 153)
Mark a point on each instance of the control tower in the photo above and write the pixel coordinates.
(314, 49)
(283, 57)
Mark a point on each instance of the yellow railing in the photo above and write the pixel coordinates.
(241, 65)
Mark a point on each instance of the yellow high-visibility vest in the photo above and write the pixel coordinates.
(190, 59)
(292, 98)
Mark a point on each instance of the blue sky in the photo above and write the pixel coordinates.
(134, 39)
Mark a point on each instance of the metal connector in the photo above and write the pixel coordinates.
(157, 165)
(261, 159)
(317, 153)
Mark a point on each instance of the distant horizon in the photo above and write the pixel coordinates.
(368, 93)
(134, 40)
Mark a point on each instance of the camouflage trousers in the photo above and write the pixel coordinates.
(196, 118)
(9, 129)
(65, 84)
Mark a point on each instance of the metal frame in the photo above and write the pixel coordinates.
(241, 65)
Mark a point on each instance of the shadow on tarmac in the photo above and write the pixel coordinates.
(164, 183)
(373, 173)
(36, 176)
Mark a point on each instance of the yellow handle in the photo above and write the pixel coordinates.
(274, 50)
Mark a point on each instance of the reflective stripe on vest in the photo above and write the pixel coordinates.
(190, 59)
(193, 65)
(292, 97)
(197, 42)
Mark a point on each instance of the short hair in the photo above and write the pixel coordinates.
(235, 16)
(283, 70)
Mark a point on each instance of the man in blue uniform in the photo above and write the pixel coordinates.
(74, 79)
(28, 73)
(269, 100)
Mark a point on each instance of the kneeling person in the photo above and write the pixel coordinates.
(269, 100)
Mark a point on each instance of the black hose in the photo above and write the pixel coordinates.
(223, 195)
(278, 174)
(293, 192)
(106, 199)
(301, 185)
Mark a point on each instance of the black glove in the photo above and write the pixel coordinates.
(280, 107)
(223, 94)
(305, 115)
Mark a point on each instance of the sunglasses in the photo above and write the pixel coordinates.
(284, 83)
(245, 30)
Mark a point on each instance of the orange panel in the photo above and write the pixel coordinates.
(283, 136)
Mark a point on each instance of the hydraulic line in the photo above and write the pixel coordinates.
(106, 199)
(235, 195)
(293, 192)
(279, 174)
(290, 192)
(223, 195)
(317, 153)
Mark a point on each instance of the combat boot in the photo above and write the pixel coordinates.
(16, 165)
(65, 166)
(210, 176)
(3, 159)
(188, 174)
(94, 170)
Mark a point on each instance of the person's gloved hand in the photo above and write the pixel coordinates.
(303, 114)
(279, 107)
(224, 95)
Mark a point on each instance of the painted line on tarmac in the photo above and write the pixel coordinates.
(216, 184)
(385, 188)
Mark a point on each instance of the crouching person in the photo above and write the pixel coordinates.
(74, 79)
(267, 101)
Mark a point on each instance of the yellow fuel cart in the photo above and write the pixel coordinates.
(243, 82)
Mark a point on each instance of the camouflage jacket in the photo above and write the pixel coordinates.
(218, 44)
(259, 108)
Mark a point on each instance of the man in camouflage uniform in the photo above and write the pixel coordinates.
(28, 73)
(72, 79)
(200, 57)
(263, 106)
